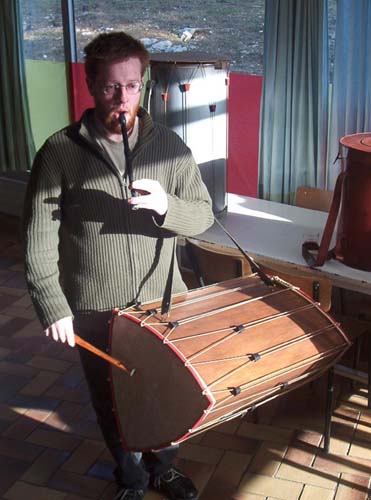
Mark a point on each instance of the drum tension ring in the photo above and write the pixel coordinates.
(239, 328)
(254, 357)
(235, 391)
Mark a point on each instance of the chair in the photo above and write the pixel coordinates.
(314, 198)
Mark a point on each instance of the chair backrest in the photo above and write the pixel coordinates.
(215, 264)
(314, 198)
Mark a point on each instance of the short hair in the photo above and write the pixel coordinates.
(113, 47)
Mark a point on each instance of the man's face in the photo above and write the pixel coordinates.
(109, 105)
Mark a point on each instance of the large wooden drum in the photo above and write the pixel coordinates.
(225, 349)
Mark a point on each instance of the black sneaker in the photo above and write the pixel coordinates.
(128, 494)
(175, 485)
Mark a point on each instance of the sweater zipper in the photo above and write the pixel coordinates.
(124, 196)
(129, 241)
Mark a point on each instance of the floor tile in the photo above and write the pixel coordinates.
(347, 464)
(44, 466)
(84, 456)
(292, 471)
(227, 475)
(265, 432)
(12, 448)
(54, 439)
(352, 487)
(200, 453)
(21, 490)
(315, 493)
(39, 384)
(216, 439)
(11, 470)
(268, 458)
(276, 488)
(76, 483)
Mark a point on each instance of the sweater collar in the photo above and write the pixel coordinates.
(146, 126)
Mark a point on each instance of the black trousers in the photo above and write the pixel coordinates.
(133, 469)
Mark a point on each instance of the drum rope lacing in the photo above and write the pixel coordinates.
(255, 400)
(265, 352)
(246, 326)
(282, 385)
(197, 317)
(255, 403)
(235, 331)
(153, 312)
(234, 371)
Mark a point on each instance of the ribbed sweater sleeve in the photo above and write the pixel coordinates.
(41, 224)
(189, 211)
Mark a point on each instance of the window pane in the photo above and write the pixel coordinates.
(42, 29)
(229, 28)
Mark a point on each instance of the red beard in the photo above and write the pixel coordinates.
(112, 124)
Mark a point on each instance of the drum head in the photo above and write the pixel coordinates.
(161, 386)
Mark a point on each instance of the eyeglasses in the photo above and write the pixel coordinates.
(131, 88)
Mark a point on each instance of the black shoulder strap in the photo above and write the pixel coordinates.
(166, 300)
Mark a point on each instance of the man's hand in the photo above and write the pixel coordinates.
(62, 330)
(151, 196)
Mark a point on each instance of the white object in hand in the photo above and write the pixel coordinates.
(62, 330)
(150, 196)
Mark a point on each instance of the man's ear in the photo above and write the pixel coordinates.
(90, 85)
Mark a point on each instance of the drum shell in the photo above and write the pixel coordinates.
(353, 243)
(185, 375)
(192, 88)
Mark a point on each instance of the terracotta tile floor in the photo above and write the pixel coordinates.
(51, 448)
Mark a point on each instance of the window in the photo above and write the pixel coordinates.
(220, 28)
(228, 28)
(42, 29)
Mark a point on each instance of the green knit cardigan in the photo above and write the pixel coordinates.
(85, 248)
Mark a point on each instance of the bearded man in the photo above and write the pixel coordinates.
(87, 251)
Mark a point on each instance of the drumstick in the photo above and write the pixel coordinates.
(89, 347)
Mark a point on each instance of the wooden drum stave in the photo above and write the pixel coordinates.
(226, 349)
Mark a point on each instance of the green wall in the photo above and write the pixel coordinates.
(48, 98)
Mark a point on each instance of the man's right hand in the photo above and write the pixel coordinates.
(62, 330)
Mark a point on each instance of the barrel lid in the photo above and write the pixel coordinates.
(188, 58)
(362, 142)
